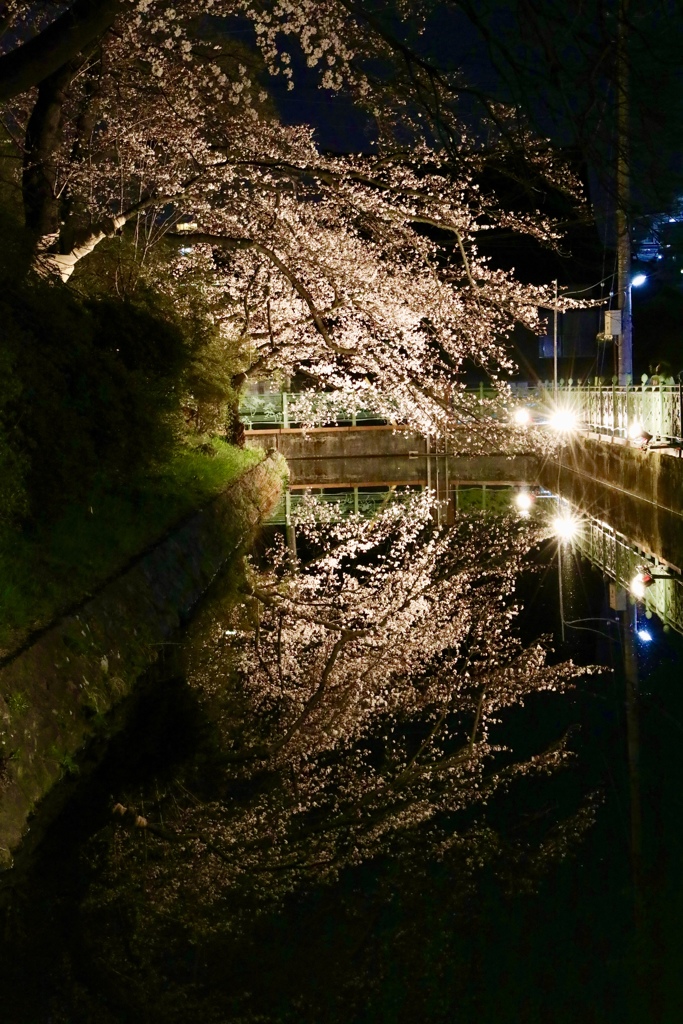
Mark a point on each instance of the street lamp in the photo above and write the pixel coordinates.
(563, 421)
(639, 434)
(521, 416)
(565, 526)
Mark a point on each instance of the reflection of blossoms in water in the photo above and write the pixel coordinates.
(358, 695)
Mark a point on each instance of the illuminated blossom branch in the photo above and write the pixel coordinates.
(361, 274)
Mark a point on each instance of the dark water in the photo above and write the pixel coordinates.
(599, 963)
(391, 945)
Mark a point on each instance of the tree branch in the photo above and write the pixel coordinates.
(314, 700)
(298, 286)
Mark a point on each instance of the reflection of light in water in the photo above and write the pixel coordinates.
(523, 501)
(639, 584)
(645, 636)
(565, 526)
(621, 559)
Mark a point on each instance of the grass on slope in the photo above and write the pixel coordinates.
(44, 571)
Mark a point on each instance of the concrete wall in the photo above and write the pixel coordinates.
(52, 692)
(651, 474)
(340, 442)
(353, 456)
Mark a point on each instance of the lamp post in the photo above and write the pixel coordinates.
(623, 197)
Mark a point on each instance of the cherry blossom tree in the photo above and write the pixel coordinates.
(361, 273)
(358, 697)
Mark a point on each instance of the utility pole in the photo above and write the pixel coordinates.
(555, 343)
(623, 200)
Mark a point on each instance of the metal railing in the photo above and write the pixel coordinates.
(272, 409)
(268, 408)
(607, 409)
(617, 410)
(364, 503)
(466, 498)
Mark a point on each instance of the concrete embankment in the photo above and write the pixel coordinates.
(54, 693)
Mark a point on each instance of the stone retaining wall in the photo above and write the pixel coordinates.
(654, 475)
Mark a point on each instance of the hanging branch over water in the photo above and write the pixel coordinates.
(361, 272)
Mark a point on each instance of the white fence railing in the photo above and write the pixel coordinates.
(610, 409)
(353, 500)
(267, 407)
(497, 499)
(273, 409)
(616, 410)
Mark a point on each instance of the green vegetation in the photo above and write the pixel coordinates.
(56, 563)
(18, 703)
(117, 407)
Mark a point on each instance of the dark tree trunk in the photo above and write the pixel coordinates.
(43, 134)
(76, 30)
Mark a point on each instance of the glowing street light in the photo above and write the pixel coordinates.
(563, 420)
(638, 433)
(524, 502)
(521, 416)
(638, 280)
(645, 636)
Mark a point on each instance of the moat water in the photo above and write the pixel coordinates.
(599, 939)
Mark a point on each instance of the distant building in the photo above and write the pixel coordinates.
(658, 239)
